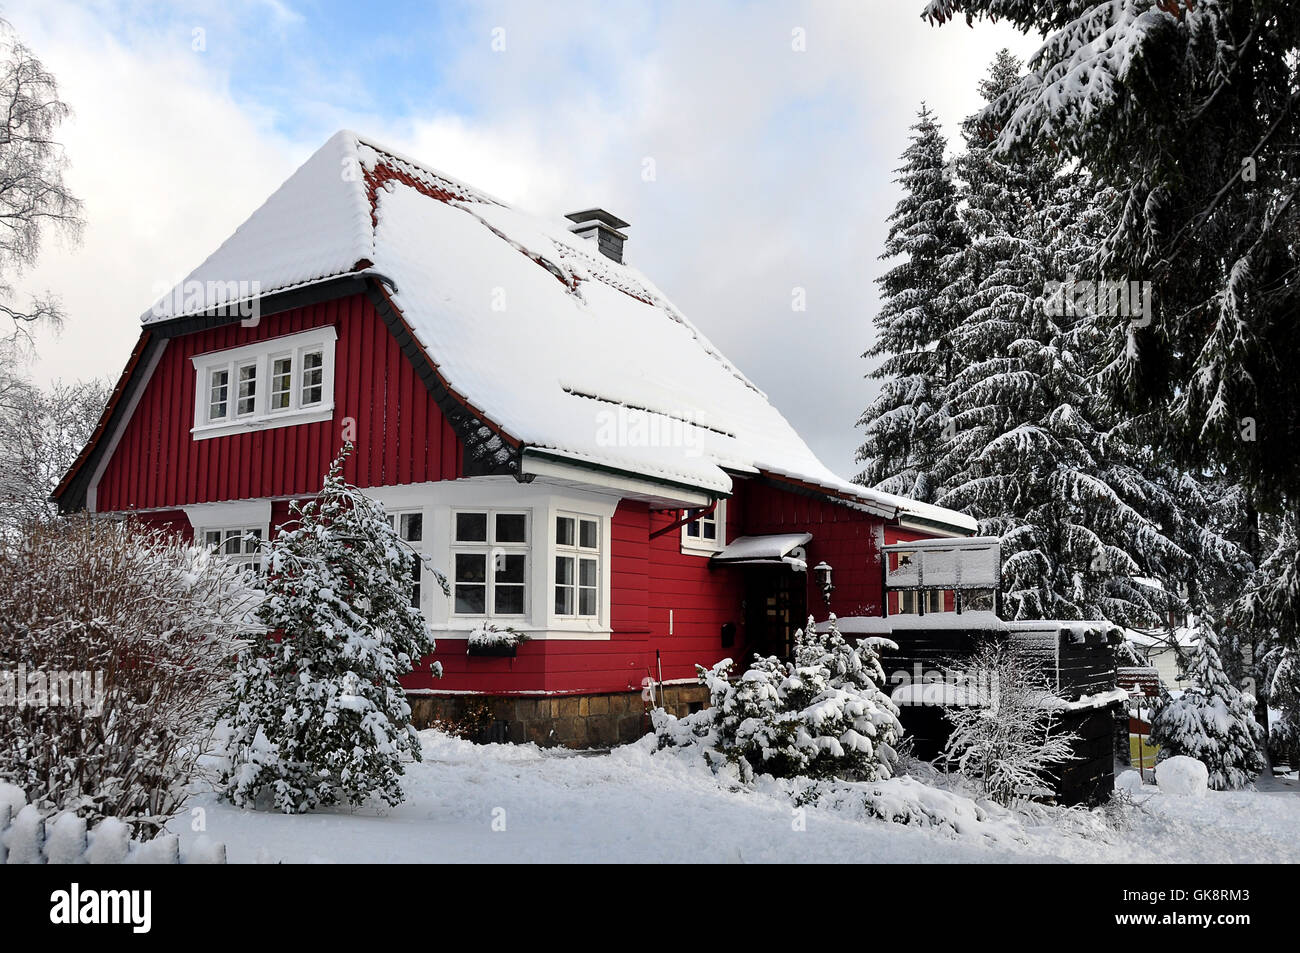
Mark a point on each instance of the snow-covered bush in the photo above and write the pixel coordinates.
(116, 643)
(1212, 720)
(488, 634)
(820, 716)
(318, 714)
(1006, 737)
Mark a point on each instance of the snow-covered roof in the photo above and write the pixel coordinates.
(563, 349)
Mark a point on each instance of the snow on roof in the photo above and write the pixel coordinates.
(562, 348)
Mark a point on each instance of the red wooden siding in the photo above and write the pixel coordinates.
(845, 538)
(401, 435)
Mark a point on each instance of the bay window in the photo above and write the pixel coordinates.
(577, 565)
(410, 529)
(489, 554)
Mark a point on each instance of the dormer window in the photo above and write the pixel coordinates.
(274, 383)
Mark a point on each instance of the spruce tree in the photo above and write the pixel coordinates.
(1212, 721)
(1032, 452)
(318, 715)
(914, 322)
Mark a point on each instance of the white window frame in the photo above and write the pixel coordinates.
(262, 355)
(578, 554)
(395, 521)
(490, 549)
(246, 555)
(699, 544)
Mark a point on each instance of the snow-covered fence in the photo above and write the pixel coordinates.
(29, 837)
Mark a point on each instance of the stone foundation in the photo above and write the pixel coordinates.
(568, 721)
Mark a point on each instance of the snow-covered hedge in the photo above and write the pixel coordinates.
(116, 642)
(29, 835)
(821, 716)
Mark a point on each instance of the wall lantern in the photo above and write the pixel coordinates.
(823, 573)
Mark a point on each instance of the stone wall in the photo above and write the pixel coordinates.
(568, 721)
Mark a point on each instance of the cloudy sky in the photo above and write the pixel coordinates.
(773, 164)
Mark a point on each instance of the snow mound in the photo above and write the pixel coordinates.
(1128, 781)
(1183, 775)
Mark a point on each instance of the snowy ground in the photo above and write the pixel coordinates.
(635, 806)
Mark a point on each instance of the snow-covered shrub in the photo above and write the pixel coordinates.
(820, 716)
(1006, 737)
(318, 714)
(1212, 720)
(488, 634)
(133, 633)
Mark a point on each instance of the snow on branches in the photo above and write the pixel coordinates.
(318, 714)
(820, 716)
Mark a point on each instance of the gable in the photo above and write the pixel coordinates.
(401, 434)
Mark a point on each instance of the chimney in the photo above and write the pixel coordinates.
(602, 228)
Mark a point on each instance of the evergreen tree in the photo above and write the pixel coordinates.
(820, 716)
(1187, 112)
(1212, 721)
(914, 322)
(1031, 451)
(318, 713)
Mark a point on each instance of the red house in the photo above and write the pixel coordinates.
(582, 462)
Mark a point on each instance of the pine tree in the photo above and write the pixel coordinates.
(914, 322)
(1212, 721)
(318, 714)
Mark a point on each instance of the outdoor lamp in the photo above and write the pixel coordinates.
(823, 571)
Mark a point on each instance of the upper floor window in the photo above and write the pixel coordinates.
(489, 554)
(272, 383)
(706, 533)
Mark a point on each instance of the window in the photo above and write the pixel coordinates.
(410, 528)
(275, 383)
(247, 390)
(489, 563)
(910, 599)
(281, 383)
(707, 533)
(577, 565)
(218, 393)
(239, 545)
(313, 377)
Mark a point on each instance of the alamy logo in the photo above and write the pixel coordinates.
(76, 906)
(1117, 299)
(230, 298)
(21, 688)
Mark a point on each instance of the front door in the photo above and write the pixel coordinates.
(776, 606)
